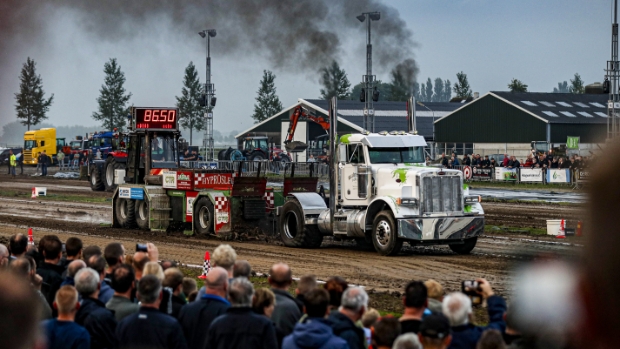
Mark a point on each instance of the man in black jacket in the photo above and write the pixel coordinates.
(93, 315)
(173, 279)
(196, 317)
(240, 327)
(286, 313)
(49, 270)
(150, 328)
(353, 305)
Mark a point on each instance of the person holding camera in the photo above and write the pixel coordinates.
(457, 307)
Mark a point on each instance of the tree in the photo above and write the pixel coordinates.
(190, 111)
(112, 101)
(31, 106)
(335, 82)
(461, 88)
(577, 85)
(562, 88)
(517, 86)
(447, 91)
(438, 95)
(400, 90)
(429, 90)
(268, 103)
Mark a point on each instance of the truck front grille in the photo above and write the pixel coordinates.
(441, 194)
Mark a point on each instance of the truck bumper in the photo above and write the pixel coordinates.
(440, 228)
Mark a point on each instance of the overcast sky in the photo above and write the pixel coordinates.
(538, 42)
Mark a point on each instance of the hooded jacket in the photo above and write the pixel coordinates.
(466, 336)
(346, 329)
(314, 333)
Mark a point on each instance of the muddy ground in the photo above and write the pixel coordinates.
(64, 213)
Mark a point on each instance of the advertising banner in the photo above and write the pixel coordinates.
(505, 174)
(582, 175)
(482, 173)
(131, 193)
(572, 142)
(467, 172)
(220, 181)
(182, 180)
(558, 175)
(169, 179)
(189, 205)
(531, 175)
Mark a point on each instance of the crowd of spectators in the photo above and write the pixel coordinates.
(533, 160)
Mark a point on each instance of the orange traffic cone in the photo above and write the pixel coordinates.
(562, 231)
(579, 227)
(206, 266)
(34, 193)
(30, 237)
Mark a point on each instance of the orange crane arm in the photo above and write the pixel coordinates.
(301, 114)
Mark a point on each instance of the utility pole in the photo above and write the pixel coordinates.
(612, 80)
(369, 93)
(209, 99)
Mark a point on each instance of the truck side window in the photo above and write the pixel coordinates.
(43, 143)
(356, 154)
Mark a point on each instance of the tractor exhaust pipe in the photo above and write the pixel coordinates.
(333, 163)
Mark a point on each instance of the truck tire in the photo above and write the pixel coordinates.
(227, 153)
(125, 211)
(257, 156)
(142, 214)
(466, 247)
(384, 234)
(108, 173)
(294, 232)
(221, 155)
(204, 216)
(96, 184)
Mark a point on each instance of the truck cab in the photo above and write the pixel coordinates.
(37, 141)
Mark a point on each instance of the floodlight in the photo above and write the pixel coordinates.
(375, 16)
(375, 94)
(212, 33)
(363, 95)
(361, 17)
(202, 34)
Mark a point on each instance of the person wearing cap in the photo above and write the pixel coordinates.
(435, 332)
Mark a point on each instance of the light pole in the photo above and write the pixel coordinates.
(433, 112)
(209, 99)
(369, 93)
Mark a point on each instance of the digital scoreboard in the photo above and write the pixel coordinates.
(155, 118)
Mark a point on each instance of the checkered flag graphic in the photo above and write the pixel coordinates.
(206, 266)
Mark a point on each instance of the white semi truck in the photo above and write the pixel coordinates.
(382, 192)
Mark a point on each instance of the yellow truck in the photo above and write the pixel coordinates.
(36, 141)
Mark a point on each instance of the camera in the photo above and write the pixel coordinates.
(141, 248)
(471, 289)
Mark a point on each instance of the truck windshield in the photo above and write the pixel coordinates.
(76, 145)
(163, 152)
(102, 142)
(28, 145)
(396, 155)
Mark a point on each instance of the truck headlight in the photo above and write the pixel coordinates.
(407, 201)
(473, 199)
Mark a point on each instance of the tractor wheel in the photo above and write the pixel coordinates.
(142, 214)
(96, 184)
(466, 247)
(125, 211)
(257, 156)
(293, 230)
(384, 235)
(204, 216)
(108, 179)
(227, 153)
(221, 155)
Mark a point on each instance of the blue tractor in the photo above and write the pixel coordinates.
(107, 153)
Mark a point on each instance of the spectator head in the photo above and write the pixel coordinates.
(150, 290)
(139, 262)
(217, 281)
(264, 302)
(370, 318)
(52, 248)
(4, 256)
(407, 341)
(189, 286)
(241, 293)
(192, 296)
(123, 279)
(73, 247)
(173, 278)
(280, 276)
(165, 265)
(224, 256)
(114, 254)
(66, 300)
(22, 267)
(90, 251)
(306, 284)
(491, 339)
(457, 308)
(354, 302)
(434, 289)
(87, 282)
(153, 268)
(74, 267)
(18, 311)
(435, 332)
(415, 295)
(386, 330)
(18, 244)
(316, 303)
(336, 287)
(98, 264)
(242, 268)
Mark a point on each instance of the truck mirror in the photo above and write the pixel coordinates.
(342, 152)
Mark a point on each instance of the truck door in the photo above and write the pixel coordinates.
(354, 174)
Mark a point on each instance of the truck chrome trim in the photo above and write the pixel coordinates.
(446, 228)
(311, 203)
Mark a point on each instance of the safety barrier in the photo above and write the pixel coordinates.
(578, 177)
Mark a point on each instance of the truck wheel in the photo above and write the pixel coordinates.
(464, 248)
(96, 184)
(293, 230)
(204, 214)
(257, 157)
(108, 179)
(142, 214)
(384, 235)
(125, 211)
